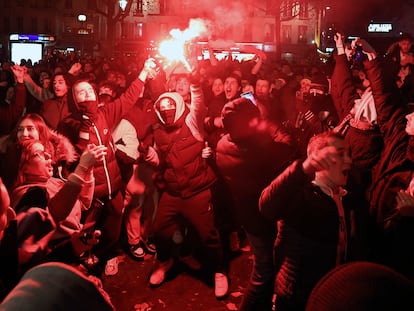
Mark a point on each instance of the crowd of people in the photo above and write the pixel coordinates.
(309, 162)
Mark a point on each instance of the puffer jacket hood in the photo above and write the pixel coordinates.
(63, 150)
(180, 105)
(76, 104)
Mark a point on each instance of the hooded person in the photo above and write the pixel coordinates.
(248, 156)
(92, 124)
(170, 107)
(187, 180)
(32, 126)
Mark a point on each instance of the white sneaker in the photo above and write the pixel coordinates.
(159, 271)
(221, 285)
(111, 267)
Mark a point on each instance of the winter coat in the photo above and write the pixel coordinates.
(365, 142)
(248, 166)
(185, 173)
(83, 131)
(307, 240)
(38, 231)
(393, 173)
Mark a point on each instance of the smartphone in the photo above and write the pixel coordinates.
(249, 95)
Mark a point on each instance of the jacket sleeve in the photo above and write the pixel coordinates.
(61, 204)
(343, 89)
(198, 111)
(37, 91)
(390, 114)
(115, 111)
(278, 199)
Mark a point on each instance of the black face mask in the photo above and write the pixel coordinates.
(89, 108)
(168, 116)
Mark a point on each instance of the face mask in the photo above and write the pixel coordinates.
(168, 116)
(90, 108)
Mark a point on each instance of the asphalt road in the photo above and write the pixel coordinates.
(183, 290)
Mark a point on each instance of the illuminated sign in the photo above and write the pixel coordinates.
(27, 37)
(380, 27)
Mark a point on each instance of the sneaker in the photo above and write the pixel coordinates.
(159, 271)
(190, 262)
(149, 247)
(221, 285)
(137, 251)
(111, 267)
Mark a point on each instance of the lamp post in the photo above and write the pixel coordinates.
(82, 19)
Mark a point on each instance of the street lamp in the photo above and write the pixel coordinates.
(82, 19)
(123, 4)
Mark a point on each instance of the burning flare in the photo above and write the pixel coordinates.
(174, 49)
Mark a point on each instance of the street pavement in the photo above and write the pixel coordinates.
(183, 290)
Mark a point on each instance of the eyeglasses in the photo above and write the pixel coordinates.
(42, 155)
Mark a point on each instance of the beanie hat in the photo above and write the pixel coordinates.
(362, 286)
(320, 82)
(237, 115)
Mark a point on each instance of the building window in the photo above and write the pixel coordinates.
(302, 30)
(139, 8)
(286, 33)
(304, 9)
(124, 30)
(287, 9)
(269, 33)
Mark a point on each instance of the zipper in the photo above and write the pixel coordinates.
(105, 165)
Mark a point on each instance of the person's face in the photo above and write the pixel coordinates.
(106, 90)
(88, 67)
(409, 127)
(405, 46)
(262, 89)
(39, 163)
(217, 87)
(337, 173)
(231, 87)
(167, 104)
(83, 92)
(167, 110)
(27, 130)
(59, 86)
(182, 87)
